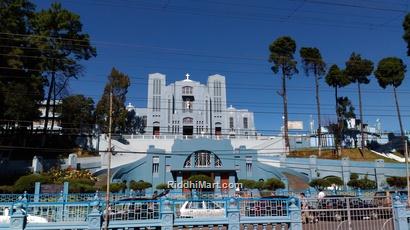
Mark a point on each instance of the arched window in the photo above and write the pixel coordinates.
(202, 159)
(187, 90)
(188, 120)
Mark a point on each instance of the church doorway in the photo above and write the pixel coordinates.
(218, 131)
(187, 130)
(155, 131)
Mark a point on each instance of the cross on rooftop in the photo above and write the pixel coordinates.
(187, 76)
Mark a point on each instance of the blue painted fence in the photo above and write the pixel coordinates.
(164, 214)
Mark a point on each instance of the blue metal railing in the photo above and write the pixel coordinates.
(137, 212)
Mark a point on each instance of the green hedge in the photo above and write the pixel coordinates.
(273, 184)
(27, 183)
(397, 182)
(246, 183)
(163, 186)
(114, 187)
(364, 184)
(319, 184)
(6, 189)
(139, 185)
(81, 186)
(335, 180)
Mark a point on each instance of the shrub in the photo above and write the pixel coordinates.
(26, 183)
(139, 185)
(249, 184)
(273, 184)
(58, 175)
(115, 187)
(364, 184)
(319, 183)
(200, 178)
(335, 180)
(81, 186)
(398, 182)
(354, 176)
(163, 186)
(260, 184)
(6, 189)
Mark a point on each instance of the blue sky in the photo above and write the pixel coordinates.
(231, 38)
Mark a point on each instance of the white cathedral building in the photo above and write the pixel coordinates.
(189, 108)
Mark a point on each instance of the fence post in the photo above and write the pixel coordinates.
(313, 167)
(167, 219)
(233, 215)
(295, 215)
(379, 173)
(399, 215)
(37, 186)
(18, 219)
(60, 207)
(65, 190)
(94, 219)
(345, 171)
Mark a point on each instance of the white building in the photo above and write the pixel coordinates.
(189, 108)
(54, 108)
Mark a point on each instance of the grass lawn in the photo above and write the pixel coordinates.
(353, 154)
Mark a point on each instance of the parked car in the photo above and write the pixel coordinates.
(201, 208)
(385, 198)
(5, 218)
(265, 206)
(134, 209)
(335, 208)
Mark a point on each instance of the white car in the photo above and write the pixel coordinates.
(201, 208)
(5, 218)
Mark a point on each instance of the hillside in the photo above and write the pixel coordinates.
(353, 154)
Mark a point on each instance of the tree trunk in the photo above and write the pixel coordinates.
(361, 115)
(398, 112)
(285, 111)
(50, 90)
(403, 135)
(54, 108)
(337, 106)
(319, 130)
(338, 139)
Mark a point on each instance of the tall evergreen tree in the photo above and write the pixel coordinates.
(60, 37)
(340, 128)
(359, 70)
(337, 79)
(313, 63)
(134, 124)
(77, 114)
(406, 35)
(21, 84)
(282, 59)
(391, 72)
(118, 84)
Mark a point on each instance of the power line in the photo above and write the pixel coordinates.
(173, 51)
(361, 6)
(270, 18)
(255, 104)
(226, 154)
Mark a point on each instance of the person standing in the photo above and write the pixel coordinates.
(321, 194)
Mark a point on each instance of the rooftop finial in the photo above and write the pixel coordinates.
(187, 76)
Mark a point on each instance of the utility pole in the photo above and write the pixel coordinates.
(107, 196)
(406, 155)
